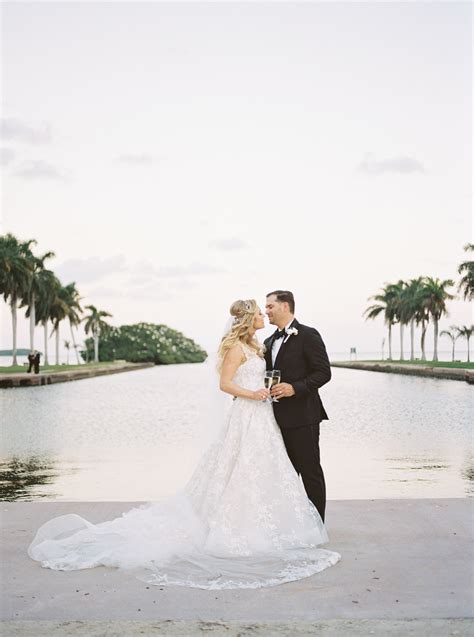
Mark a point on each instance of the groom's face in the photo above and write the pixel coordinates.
(275, 310)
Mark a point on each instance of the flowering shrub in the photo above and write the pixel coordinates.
(146, 342)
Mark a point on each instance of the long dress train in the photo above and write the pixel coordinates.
(242, 521)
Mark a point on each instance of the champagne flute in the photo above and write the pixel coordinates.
(268, 382)
(276, 377)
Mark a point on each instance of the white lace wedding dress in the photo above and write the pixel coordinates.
(243, 520)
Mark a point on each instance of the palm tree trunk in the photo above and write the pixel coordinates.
(412, 339)
(96, 348)
(14, 325)
(57, 344)
(435, 350)
(390, 341)
(423, 337)
(468, 359)
(454, 345)
(45, 327)
(74, 342)
(32, 322)
(401, 340)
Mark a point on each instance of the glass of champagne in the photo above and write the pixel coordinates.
(268, 381)
(276, 377)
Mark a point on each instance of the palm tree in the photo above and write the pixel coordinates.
(94, 323)
(422, 315)
(36, 265)
(466, 332)
(413, 310)
(15, 273)
(386, 305)
(48, 289)
(72, 299)
(58, 313)
(435, 297)
(400, 302)
(67, 345)
(453, 334)
(466, 285)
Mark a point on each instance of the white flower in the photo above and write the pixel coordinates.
(291, 331)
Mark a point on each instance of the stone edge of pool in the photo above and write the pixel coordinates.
(22, 379)
(411, 370)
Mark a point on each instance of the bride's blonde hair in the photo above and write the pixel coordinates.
(244, 314)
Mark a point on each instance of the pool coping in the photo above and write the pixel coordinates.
(449, 373)
(23, 379)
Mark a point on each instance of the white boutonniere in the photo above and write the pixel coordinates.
(291, 331)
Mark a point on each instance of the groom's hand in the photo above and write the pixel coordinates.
(282, 390)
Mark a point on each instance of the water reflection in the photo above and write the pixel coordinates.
(138, 436)
(416, 469)
(467, 473)
(21, 477)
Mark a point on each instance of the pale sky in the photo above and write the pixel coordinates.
(177, 156)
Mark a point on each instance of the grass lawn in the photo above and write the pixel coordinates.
(55, 368)
(428, 363)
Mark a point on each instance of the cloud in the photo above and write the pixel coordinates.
(231, 243)
(104, 292)
(7, 155)
(401, 165)
(147, 269)
(38, 169)
(142, 159)
(15, 129)
(194, 269)
(150, 292)
(138, 280)
(90, 269)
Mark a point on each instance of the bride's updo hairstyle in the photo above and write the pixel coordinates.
(244, 314)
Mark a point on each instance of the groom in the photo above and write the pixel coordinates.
(299, 352)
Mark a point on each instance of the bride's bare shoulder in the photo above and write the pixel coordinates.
(236, 354)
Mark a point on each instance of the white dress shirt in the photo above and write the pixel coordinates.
(277, 344)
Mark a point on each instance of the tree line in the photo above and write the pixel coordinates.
(26, 282)
(420, 300)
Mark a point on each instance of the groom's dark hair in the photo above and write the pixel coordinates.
(284, 296)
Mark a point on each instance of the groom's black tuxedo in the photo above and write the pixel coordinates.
(304, 364)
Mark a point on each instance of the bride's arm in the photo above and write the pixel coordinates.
(232, 360)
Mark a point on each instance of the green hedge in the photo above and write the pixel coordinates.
(146, 342)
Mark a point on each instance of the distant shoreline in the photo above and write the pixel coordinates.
(426, 369)
(50, 377)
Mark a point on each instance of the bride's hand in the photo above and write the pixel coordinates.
(260, 394)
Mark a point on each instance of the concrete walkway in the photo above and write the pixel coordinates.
(430, 371)
(326, 628)
(406, 569)
(22, 379)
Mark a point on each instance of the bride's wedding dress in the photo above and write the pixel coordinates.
(243, 520)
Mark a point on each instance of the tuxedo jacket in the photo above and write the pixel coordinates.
(304, 364)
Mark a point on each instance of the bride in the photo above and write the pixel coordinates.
(242, 521)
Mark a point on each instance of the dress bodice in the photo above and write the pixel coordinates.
(250, 374)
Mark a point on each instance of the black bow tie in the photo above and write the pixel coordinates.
(279, 334)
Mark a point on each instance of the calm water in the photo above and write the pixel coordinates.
(138, 436)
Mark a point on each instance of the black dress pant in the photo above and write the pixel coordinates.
(302, 446)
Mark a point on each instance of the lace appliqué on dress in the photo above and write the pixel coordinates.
(242, 521)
